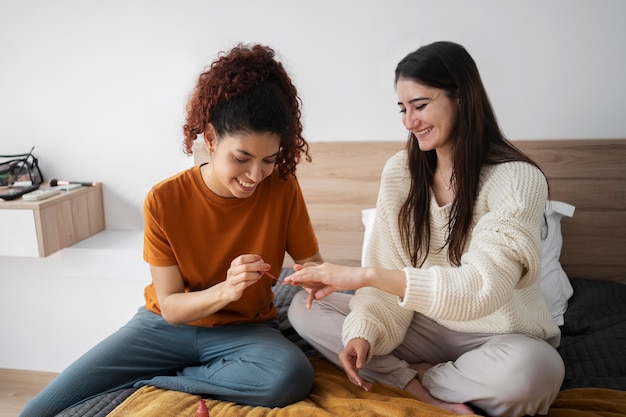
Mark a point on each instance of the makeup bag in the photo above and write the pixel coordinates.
(20, 169)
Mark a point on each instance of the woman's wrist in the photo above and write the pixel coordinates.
(369, 277)
(391, 281)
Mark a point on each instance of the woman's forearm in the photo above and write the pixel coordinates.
(388, 280)
(185, 307)
(326, 278)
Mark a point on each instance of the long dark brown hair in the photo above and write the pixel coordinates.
(477, 140)
(248, 91)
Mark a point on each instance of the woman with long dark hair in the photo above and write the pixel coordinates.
(448, 305)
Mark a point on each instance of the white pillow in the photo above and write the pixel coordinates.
(367, 216)
(555, 286)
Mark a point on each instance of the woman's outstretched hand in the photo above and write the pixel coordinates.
(324, 279)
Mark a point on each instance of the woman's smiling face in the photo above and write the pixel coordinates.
(240, 162)
(427, 112)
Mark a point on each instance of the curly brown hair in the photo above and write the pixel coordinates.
(246, 90)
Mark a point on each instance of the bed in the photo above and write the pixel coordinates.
(342, 181)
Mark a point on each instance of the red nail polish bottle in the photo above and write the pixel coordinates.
(202, 410)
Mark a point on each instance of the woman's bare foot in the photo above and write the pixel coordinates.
(416, 389)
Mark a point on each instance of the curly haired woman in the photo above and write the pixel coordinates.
(214, 237)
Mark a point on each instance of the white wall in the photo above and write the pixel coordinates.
(99, 87)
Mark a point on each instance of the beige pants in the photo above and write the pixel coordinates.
(503, 375)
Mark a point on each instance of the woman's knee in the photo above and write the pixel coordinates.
(528, 380)
(534, 364)
(292, 382)
(297, 313)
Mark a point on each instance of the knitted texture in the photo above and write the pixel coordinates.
(494, 290)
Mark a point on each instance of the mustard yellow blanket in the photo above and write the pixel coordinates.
(334, 395)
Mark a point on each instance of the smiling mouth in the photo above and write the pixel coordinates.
(246, 185)
(423, 132)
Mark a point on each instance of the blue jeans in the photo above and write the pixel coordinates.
(251, 364)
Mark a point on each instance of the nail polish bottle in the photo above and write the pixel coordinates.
(202, 410)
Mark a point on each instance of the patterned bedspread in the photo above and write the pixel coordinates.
(593, 338)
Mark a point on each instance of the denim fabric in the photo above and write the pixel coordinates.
(252, 364)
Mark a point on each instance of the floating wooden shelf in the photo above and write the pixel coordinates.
(40, 228)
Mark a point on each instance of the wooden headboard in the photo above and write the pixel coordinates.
(589, 174)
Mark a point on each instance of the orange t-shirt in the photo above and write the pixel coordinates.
(189, 226)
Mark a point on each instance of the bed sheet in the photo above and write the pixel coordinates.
(593, 347)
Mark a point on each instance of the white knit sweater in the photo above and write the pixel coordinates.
(496, 288)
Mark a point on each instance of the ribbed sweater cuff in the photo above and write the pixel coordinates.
(419, 289)
(360, 328)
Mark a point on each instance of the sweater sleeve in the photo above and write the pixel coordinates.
(376, 317)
